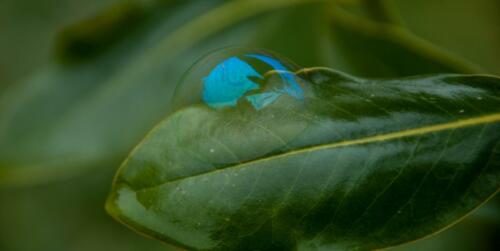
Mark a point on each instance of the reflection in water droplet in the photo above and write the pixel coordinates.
(238, 104)
(227, 82)
(237, 76)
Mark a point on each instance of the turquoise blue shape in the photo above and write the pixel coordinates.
(228, 82)
(292, 88)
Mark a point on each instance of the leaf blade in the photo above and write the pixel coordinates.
(306, 193)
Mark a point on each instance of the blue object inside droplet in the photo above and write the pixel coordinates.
(292, 87)
(227, 82)
(231, 80)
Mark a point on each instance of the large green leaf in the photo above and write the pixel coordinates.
(479, 231)
(360, 164)
(65, 118)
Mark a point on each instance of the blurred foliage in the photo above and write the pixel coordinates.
(467, 28)
(374, 48)
(29, 28)
(68, 214)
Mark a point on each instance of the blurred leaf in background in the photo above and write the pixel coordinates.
(367, 40)
(66, 215)
(28, 29)
(108, 79)
(468, 28)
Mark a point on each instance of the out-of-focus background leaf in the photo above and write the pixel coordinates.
(370, 47)
(467, 28)
(67, 214)
(28, 29)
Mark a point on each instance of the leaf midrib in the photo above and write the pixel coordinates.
(486, 119)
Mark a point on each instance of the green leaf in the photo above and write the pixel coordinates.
(359, 165)
(478, 231)
(101, 95)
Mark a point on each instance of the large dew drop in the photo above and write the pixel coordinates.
(235, 78)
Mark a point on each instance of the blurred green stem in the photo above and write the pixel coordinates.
(393, 32)
(381, 11)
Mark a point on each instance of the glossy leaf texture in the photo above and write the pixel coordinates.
(362, 164)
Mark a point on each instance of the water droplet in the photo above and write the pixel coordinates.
(237, 93)
(461, 111)
(234, 77)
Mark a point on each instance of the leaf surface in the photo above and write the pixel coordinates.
(360, 164)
